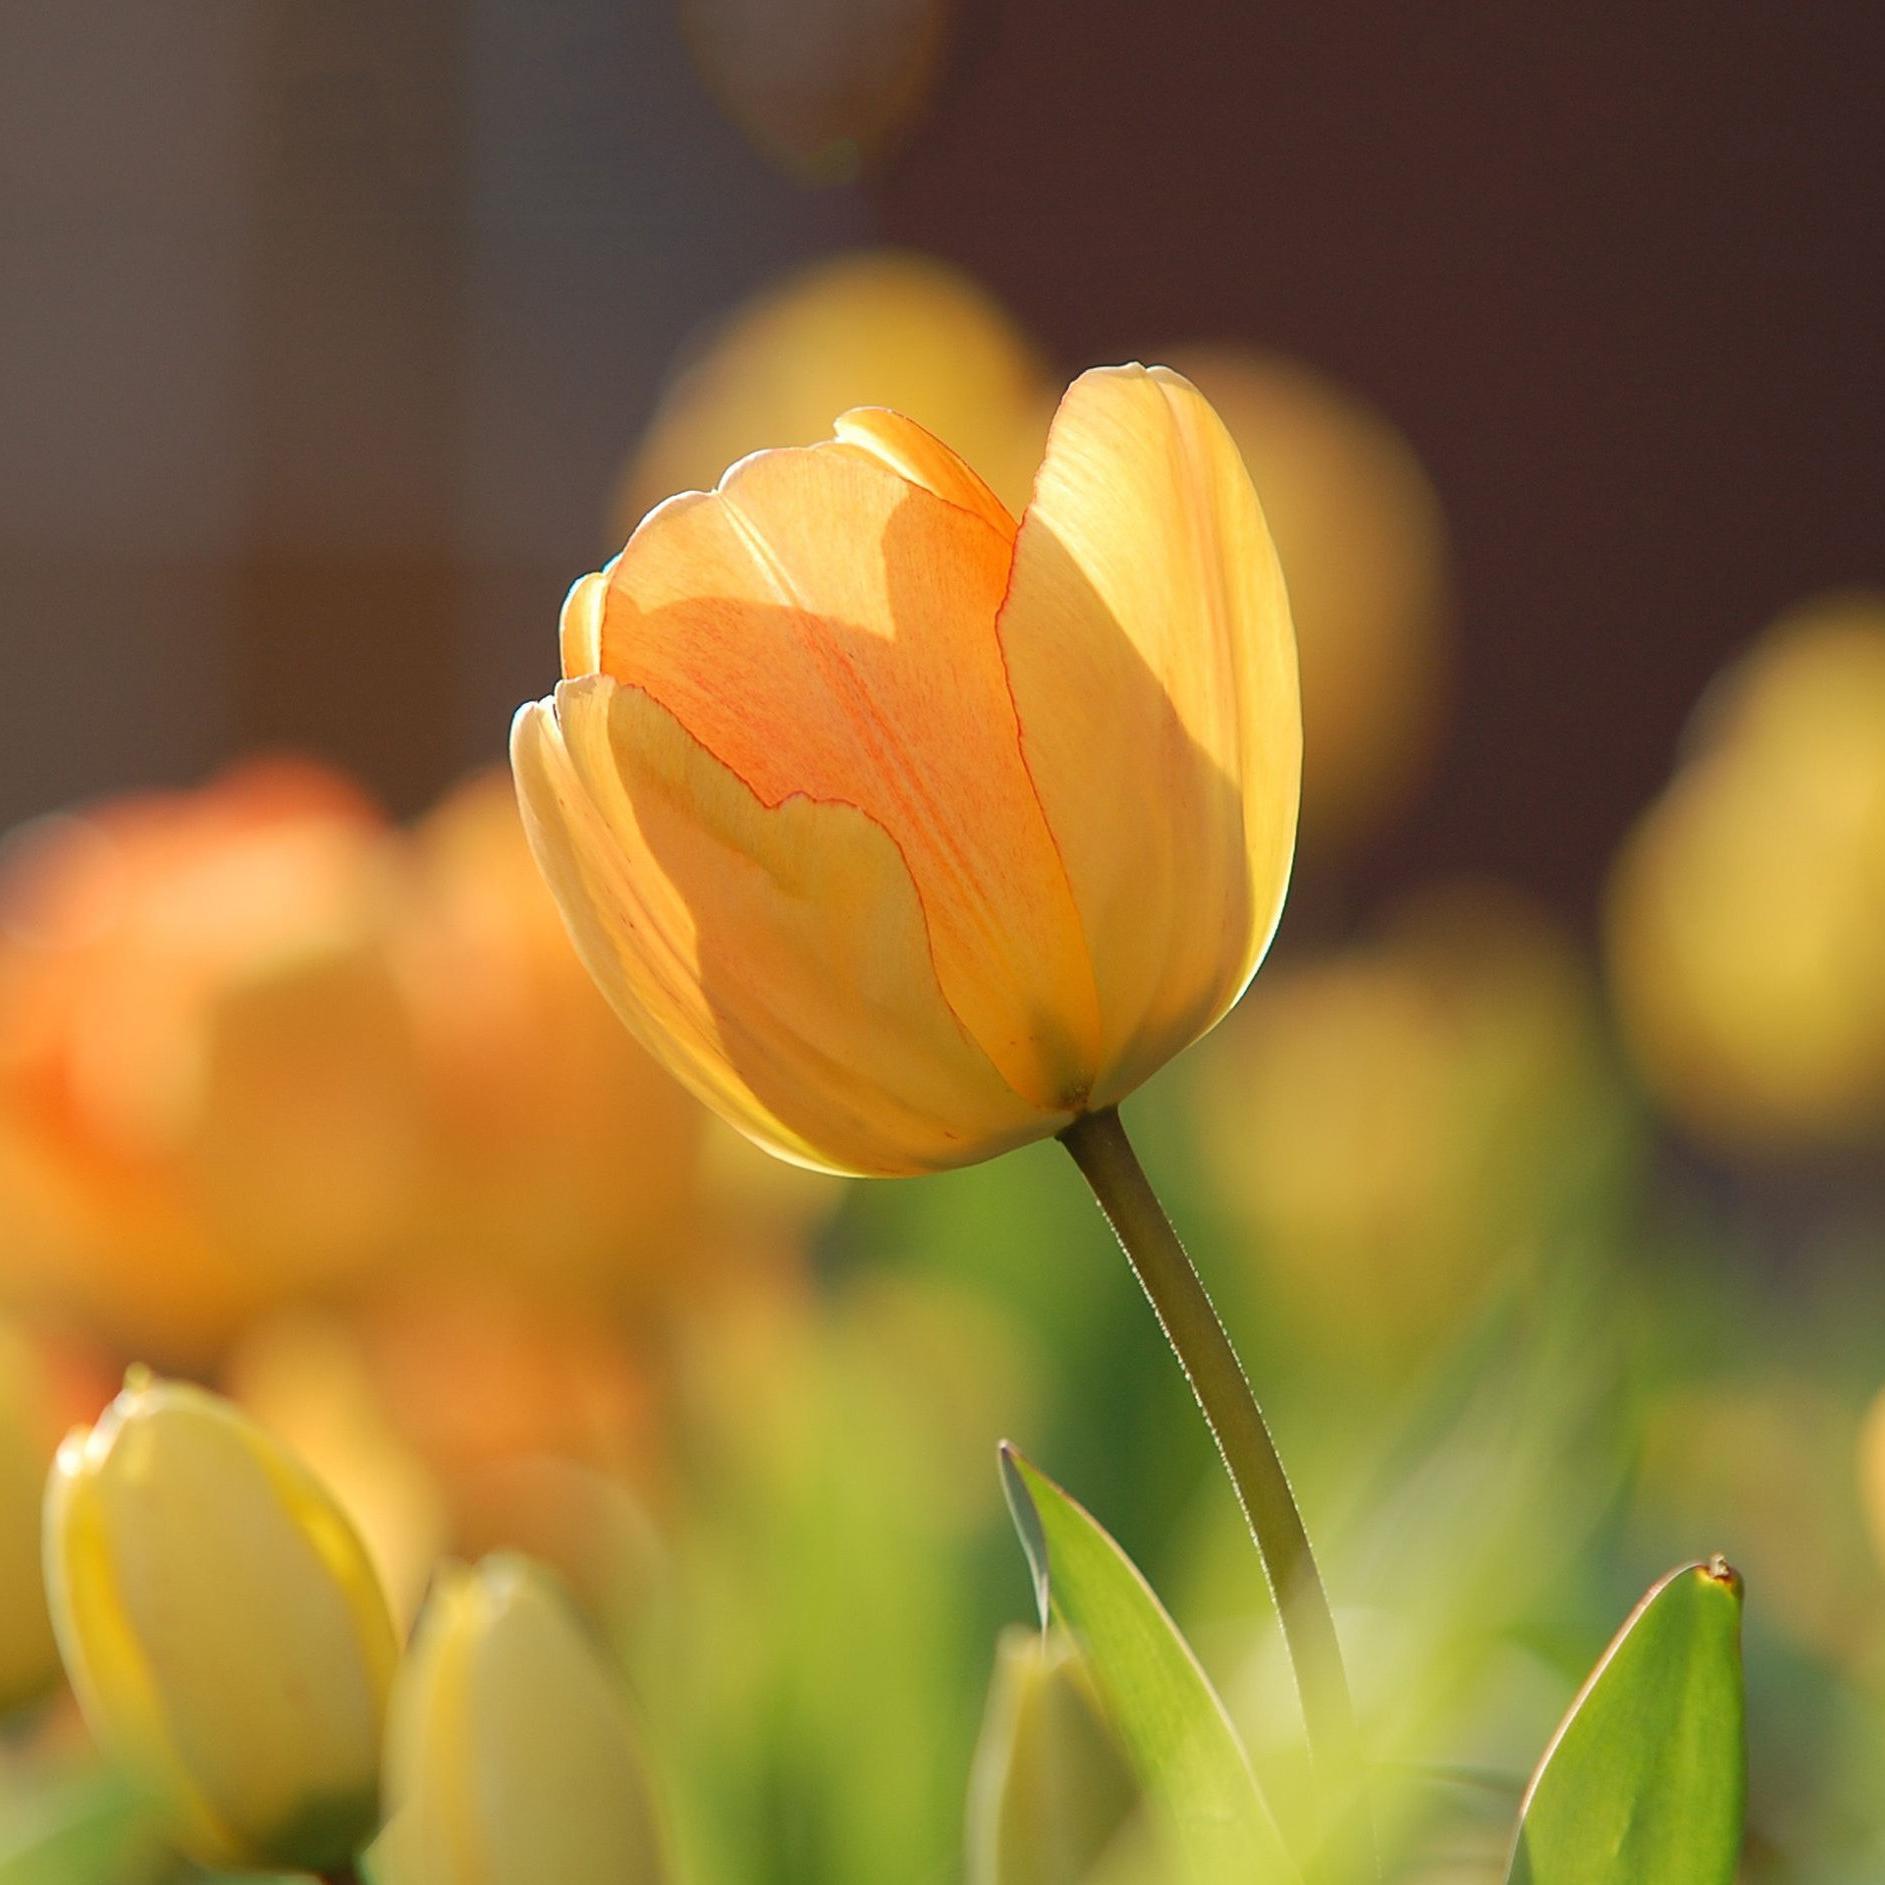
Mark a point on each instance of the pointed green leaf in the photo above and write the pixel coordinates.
(1162, 1706)
(1645, 1782)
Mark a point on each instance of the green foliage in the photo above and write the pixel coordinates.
(1168, 1717)
(1646, 1781)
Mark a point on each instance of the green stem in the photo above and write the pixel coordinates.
(342, 1875)
(1110, 1166)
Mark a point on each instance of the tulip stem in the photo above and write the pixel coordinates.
(1177, 1294)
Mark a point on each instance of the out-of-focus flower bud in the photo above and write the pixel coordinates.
(1398, 1120)
(874, 328)
(208, 1094)
(1050, 1791)
(222, 1627)
(1363, 544)
(306, 1377)
(512, 1756)
(1747, 911)
(824, 86)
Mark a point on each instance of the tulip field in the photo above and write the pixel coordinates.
(932, 1241)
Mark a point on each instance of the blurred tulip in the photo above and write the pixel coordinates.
(565, 1155)
(1363, 544)
(512, 1755)
(824, 86)
(1747, 911)
(207, 1085)
(880, 327)
(306, 1379)
(904, 835)
(1051, 1790)
(1396, 1121)
(222, 1627)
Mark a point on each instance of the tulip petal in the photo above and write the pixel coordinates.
(1148, 643)
(774, 957)
(824, 627)
(923, 459)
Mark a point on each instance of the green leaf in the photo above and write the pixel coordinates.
(1168, 1717)
(84, 1828)
(1645, 1782)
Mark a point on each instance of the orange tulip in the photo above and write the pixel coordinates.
(207, 1083)
(901, 832)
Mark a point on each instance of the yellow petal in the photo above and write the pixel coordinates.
(579, 632)
(1148, 641)
(775, 958)
(826, 628)
(923, 459)
(512, 1754)
(223, 1628)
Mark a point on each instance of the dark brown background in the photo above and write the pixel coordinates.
(323, 323)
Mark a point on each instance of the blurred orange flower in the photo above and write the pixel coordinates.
(563, 1154)
(208, 1081)
(1747, 911)
(905, 834)
(47, 1386)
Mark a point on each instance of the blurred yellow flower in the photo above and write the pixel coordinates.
(560, 1451)
(1363, 544)
(880, 327)
(1395, 1122)
(904, 834)
(207, 1080)
(306, 1378)
(511, 1755)
(222, 1627)
(1746, 920)
(1050, 1790)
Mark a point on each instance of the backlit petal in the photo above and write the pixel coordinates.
(923, 459)
(775, 957)
(825, 627)
(1148, 641)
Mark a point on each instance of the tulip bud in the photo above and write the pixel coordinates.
(901, 831)
(222, 1627)
(1050, 1791)
(511, 1754)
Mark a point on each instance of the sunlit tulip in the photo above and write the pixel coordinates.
(208, 1095)
(1747, 912)
(1363, 544)
(1050, 1790)
(904, 834)
(512, 1756)
(222, 1627)
(881, 327)
(1383, 1200)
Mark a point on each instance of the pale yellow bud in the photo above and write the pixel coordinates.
(512, 1757)
(222, 1627)
(1051, 1791)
